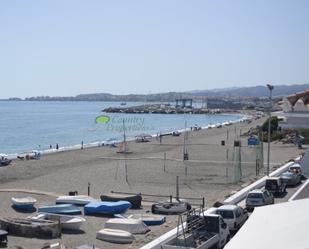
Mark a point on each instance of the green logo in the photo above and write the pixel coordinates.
(103, 119)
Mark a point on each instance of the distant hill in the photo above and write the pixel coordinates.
(255, 91)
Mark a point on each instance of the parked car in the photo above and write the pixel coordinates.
(290, 178)
(258, 197)
(295, 168)
(233, 215)
(275, 185)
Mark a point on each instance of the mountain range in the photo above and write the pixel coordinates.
(234, 92)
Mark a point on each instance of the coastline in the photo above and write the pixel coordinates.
(104, 169)
(109, 141)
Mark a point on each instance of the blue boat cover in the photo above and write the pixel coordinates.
(107, 207)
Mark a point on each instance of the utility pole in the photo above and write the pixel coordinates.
(270, 88)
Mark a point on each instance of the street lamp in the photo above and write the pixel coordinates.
(270, 88)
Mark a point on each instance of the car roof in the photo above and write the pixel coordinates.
(227, 207)
(295, 165)
(273, 178)
(257, 191)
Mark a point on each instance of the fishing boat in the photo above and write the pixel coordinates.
(24, 203)
(149, 219)
(134, 226)
(31, 228)
(170, 207)
(68, 209)
(67, 222)
(135, 200)
(74, 199)
(115, 236)
(107, 207)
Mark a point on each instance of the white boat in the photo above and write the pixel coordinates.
(149, 219)
(134, 226)
(74, 199)
(25, 203)
(67, 222)
(115, 236)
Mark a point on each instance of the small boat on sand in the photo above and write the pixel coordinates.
(135, 200)
(24, 203)
(68, 209)
(107, 207)
(57, 245)
(149, 219)
(67, 222)
(134, 226)
(30, 228)
(74, 199)
(5, 162)
(170, 207)
(115, 236)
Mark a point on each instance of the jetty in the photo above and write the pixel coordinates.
(160, 109)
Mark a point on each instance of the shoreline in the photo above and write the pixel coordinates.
(13, 156)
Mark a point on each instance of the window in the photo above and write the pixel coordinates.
(226, 214)
(238, 212)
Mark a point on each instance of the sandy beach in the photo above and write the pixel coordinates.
(209, 173)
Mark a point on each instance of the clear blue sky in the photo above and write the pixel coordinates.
(68, 47)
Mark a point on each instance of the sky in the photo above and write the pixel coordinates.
(71, 47)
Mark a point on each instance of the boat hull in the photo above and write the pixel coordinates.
(115, 236)
(67, 222)
(148, 219)
(170, 208)
(67, 209)
(26, 203)
(134, 226)
(135, 200)
(105, 207)
(31, 229)
(74, 199)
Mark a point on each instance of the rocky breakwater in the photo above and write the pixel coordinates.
(158, 108)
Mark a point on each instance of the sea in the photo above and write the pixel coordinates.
(38, 125)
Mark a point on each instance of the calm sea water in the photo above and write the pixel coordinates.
(37, 125)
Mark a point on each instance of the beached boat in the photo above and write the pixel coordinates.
(4, 161)
(135, 200)
(57, 245)
(67, 222)
(170, 207)
(68, 209)
(74, 199)
(30, 228)
(87, 247)
(24, 203)
(115, 236)
(149, 219)
(107, 207)
(134, 226)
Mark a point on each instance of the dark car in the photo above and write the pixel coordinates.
(275, 185)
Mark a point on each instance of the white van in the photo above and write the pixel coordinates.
(233, 215)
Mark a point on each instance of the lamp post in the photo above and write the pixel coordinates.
(270, 88)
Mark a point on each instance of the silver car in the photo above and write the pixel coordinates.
(290, 178)
(257, 198)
